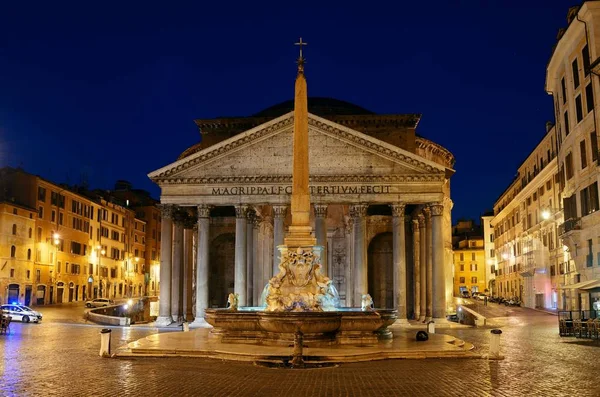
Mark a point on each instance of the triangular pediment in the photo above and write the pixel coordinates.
(265, 153)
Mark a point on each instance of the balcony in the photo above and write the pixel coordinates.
(569, 226)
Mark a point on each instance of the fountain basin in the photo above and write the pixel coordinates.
(316, 326)
(345, 326)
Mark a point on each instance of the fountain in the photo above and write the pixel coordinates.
(300, 302)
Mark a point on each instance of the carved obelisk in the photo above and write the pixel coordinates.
(300, 232)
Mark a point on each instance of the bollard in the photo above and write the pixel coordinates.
(495, 343)
(185, 327)
(431, 327)
(105, 342)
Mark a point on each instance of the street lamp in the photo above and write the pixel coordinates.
(546, 214)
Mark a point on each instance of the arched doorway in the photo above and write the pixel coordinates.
(13, 293)
(40, 294)
(221, 265)
(381, 270)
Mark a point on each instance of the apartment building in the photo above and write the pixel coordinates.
(468, 258)
(529, 258)
(572, 78)
(80, 245)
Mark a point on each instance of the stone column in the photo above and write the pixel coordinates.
(250, 215)
(177, 276)
(202, 265)
(429, 245)
(278, 234)
(399, 257)
(361, 285)
(258, 268)
(423, 266)
(240, 253)
(439, 276)
(417, 269)
(166, 253)
(321, 233)
(188, 262)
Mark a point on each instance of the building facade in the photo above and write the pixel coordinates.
(18, 273)
(529, 255)
(572, 80)
(490, 253)
(376, 192)
(469, 258)
(68, 245)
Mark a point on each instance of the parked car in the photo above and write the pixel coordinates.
(21, 313)
(465, 294)
(99, 302)
(481, 297)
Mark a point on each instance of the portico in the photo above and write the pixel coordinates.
(363, 189)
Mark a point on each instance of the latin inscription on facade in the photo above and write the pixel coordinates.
(315, 190)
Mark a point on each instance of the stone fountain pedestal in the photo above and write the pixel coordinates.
(343, 327)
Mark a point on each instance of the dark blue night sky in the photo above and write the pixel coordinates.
(111, 92)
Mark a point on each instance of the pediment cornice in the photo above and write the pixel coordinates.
(169, 173)
(317, 179)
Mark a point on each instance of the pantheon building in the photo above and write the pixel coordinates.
(380, 198)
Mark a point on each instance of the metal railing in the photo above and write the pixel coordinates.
(569, 225)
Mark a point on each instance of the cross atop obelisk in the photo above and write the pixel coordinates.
(301, 60)
(300, 231)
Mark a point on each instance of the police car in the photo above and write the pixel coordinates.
(21, 313)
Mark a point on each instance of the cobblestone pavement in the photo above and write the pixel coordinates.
(60, 358)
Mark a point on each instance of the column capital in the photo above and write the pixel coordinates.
(398, 209)
(179, 216)
(240, 211)
(421, 220)
(166, 210)
(321, 210)
(250, 215)
(427, 214)
(204, 210)
(358, 210)
(279, 211)
(415, 222)
(437, 209)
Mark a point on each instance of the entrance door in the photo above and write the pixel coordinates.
(51, 294)
(381, 271)
(59, 294)
(539, 300)
(13, 293)
(221, 265)
(71, 292)
(40, 294)
(27, 295)
(77, 293)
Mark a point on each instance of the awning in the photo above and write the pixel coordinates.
(579, 285)
(592, 285)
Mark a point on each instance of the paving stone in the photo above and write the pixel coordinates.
(60, 358)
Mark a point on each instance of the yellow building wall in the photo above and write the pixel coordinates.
(464, 277)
